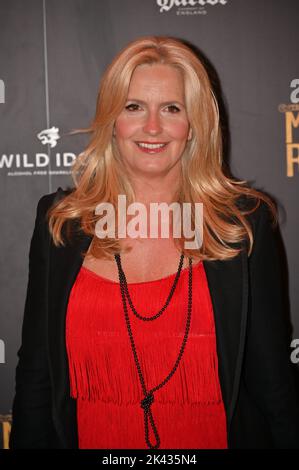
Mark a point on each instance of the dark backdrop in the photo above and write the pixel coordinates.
(52, 55)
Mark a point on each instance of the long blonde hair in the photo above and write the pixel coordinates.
(99, 174)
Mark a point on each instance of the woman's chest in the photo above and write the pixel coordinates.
(148, 260)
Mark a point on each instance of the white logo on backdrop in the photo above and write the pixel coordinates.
(2, 91)
(188, 7)
(49, 136)
(2, 352)
(291, 125)
(38, 164)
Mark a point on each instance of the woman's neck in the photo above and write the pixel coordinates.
(156, 190)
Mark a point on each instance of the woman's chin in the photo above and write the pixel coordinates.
(153, 170)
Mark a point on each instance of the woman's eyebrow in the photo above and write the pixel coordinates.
(165, 103)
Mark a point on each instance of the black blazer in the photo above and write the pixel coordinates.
(255, 372)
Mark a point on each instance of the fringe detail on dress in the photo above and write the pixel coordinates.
(96, 373)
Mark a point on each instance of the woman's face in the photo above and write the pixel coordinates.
(152, 130)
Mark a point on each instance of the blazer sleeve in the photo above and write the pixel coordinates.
(269, 373)
(32, 425)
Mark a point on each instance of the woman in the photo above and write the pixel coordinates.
(203, 361)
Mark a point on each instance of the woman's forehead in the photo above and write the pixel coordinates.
(156, 80)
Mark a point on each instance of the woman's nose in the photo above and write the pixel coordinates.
(152, 124)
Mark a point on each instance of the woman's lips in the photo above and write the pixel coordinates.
(150, 149)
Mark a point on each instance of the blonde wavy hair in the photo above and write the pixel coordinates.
(99, 174)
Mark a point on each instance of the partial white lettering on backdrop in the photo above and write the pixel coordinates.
(166, 5)
(294, 96)
(2, 92)
(39, 160)
(2, 352)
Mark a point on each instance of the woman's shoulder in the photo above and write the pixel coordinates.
(257, 209)
(262, 216)
(48, 200)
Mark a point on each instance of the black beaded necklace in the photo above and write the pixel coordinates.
(149, 394)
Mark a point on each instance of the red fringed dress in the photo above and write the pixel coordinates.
(188, 411)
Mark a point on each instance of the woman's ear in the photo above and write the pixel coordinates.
(190, 134)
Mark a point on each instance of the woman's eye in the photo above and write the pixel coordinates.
(173, 108)
(132, 107)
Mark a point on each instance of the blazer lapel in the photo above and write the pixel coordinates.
(64, 265)
(228, 284)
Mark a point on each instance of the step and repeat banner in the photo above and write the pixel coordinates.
(52, 55)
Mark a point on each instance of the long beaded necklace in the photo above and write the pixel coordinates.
(148, 399)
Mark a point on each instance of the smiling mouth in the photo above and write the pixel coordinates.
(149, 147)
